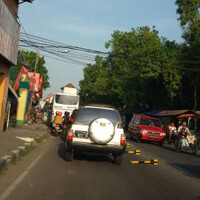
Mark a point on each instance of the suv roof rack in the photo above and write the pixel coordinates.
(100, 105)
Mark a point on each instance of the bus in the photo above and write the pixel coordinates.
(63, 102)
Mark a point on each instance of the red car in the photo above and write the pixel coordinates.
(143, 127)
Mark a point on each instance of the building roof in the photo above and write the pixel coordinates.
(68, 85)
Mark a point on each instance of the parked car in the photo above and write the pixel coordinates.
(143, 127)
(96, 129)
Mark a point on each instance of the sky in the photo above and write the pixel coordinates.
(89, 24)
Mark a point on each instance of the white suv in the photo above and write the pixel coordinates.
(96, 129)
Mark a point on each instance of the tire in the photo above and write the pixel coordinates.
(138, 138)
(68, 155)
(118, 159)
(160, 143)
(195, 152)
(177, 145)
(101, 131)
(195, 148)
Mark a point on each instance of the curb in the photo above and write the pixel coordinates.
(15, 155)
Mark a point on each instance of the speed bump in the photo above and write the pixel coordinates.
(136, 152)
(152, 161)
(128, 145)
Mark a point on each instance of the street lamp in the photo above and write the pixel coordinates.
(65, 51)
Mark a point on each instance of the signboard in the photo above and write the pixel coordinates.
(9, 34)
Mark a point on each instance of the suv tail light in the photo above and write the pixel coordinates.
(123, 140)
(70, 135)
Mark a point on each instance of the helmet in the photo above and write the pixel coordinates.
(184, 123)
(56, 112)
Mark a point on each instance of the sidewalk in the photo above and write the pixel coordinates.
(15, 138)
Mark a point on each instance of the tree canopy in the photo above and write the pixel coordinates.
(140, 69)
(189, 11)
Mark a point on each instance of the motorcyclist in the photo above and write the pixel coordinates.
(66, 117)
(57, 119)
(183, 132)
(172, 131)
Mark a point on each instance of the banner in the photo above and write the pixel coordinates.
(37, 95)
(22, 71)
(40, 82)
(34, 81)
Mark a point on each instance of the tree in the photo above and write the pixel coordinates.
(189, 11)
(30, 58)
(140, 68)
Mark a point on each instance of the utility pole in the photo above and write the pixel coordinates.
(36, 63)
(34, 87)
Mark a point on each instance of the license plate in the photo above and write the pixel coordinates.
(102, 124)
(153, 137)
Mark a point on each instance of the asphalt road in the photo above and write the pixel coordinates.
(45, 175)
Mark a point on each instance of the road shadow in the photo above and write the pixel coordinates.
(188, 170)
(84, 156)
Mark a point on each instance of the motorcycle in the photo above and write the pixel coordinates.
(57, 130)
(173, 138)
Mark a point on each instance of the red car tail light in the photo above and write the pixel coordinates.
(70, 135)
(57, 125)
(123, 140)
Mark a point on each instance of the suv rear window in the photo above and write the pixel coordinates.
(86, 115)
(150, 122)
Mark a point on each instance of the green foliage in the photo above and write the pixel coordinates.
(189, 11)
(141, 69)
(30, 58)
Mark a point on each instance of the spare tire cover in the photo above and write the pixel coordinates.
(101, 130)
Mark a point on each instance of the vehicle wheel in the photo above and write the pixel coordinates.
(68, 155)
(138, 138)
(160, 143)
(195, 152)
(177, 145)
(118, 159)
(131, 137)
(195, 148)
